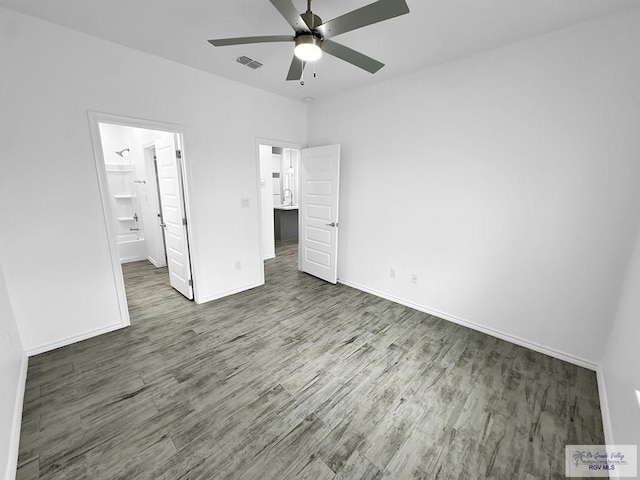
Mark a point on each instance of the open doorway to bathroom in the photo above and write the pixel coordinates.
(279, 197)
(141, 174)
(129, 157)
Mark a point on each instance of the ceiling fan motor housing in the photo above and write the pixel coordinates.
(312, 20)
(306, 39)
(312, 38)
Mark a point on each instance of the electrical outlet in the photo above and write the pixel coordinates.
(244, 202)
(238, 265)
(392, 273)
(414, 278)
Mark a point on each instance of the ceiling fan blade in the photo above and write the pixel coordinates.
(349, 55)
(296, 68)
(224, 42)
(290, 14)
(367, 15)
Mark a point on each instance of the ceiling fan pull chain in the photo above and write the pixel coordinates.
(302, 78)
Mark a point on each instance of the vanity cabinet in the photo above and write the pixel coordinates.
(286, 223)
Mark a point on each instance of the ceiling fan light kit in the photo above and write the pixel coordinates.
(312, 36)
(308, 47)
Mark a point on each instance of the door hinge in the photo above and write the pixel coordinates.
(191, 282)
(178, 154)
(184, 221)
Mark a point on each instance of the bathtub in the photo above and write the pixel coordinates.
(131, 247)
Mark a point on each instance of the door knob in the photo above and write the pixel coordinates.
(332, 224)
(163, 225)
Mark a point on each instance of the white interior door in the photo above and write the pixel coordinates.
(318, 211)
(174, 218)
(150, 204)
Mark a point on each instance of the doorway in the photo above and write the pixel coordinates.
(303, 183)
(141, 175)
(279, 196)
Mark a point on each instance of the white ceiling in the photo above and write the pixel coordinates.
(436, 31)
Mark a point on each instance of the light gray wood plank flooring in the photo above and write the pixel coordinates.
(298, 379)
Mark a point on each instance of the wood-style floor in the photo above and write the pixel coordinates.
(298, 379)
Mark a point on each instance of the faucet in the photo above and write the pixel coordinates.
(284, 196)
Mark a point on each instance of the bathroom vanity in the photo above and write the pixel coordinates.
(286, 222)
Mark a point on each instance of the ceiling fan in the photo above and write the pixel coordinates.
(312, 36)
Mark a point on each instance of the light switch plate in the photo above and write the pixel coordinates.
(244, 202)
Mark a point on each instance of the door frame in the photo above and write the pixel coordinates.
(95, 119)
(271, 143)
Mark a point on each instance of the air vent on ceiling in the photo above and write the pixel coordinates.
(249, 62)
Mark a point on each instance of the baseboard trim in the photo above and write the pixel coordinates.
(14, 446)
(132, 259)
(233, 291)
(73, 339)
(581, 362)
(153, 262)
(604, 409)
(269, 257)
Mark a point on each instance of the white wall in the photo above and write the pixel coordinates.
(508, 182)
(12, 376)
(620, 367)
(54, 246)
